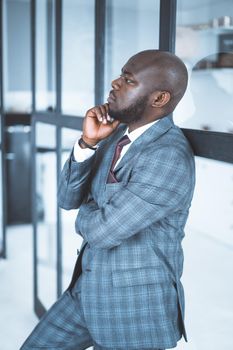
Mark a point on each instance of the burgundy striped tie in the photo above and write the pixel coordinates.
(120, 144)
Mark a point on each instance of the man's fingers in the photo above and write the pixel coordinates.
(115, 123)
(105, 108)
(109, 119)
(98, 124)
(104, 113)
(99, 112)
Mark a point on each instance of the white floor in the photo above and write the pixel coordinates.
(207, 279)
(16, 295)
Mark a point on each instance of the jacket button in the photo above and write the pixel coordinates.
(88, 270)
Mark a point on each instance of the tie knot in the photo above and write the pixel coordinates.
(120, 144)
(123, 141)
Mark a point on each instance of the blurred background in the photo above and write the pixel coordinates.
(57, 59)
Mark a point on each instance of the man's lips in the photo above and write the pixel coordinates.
(111, 97)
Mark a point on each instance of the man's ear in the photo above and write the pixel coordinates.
(160, 98)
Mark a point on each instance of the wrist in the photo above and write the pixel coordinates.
(91, 142)
(83, 143)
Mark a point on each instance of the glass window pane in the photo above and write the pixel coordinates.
(17, 59)
(78, 56)
(131, 26)
(46, 189)
(45, 135)
(70, 240)
(208, 263)
(45, 55)
(204, 40)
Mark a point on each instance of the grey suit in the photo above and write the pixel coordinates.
(131, 291)
(129, 295)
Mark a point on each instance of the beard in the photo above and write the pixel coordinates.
(130, 114)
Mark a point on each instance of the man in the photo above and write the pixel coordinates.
(132, 176)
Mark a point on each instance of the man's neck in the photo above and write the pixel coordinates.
(135, 125)
(133, 135)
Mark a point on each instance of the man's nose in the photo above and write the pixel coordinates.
(116, 83)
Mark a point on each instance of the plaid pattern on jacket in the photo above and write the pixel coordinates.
(132, 295)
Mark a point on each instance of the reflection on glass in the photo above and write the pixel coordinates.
(46, 189)
(70, 240)
(205, 43)
(45, 55)
(131, 26)
(17, 64)
(78, 56)
(212, 94)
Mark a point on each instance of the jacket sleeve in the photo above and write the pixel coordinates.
(74, 182)
(160, 185)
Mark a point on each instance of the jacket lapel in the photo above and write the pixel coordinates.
(109, 149)
(150, 135)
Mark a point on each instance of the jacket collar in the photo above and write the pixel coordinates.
(150, 135)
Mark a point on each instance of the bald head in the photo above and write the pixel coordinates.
(166, 72)
(151, 84)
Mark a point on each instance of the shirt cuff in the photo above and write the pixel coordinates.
(82, 154)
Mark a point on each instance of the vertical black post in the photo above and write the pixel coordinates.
(58, 53)
(58, 30)
(49, 46)
(3, 162)
(33, 150)
(59, 230)
(167, 25)
(100, 12)
(34, 209)
(33, 54)
(1, 56)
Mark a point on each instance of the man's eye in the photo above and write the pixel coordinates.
(127, 80)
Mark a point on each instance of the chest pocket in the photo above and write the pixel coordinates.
(139, 276)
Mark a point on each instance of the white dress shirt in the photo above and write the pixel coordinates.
(82, 154)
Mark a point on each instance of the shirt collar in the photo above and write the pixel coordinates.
(133, 135)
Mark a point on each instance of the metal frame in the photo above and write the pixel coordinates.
(167, 25)
(3, 251)
(39, 309)
(100, 13)
(58, 65)
(211, 144)
(208, 144)
(49, 44)
(52, 118)
(33, 53)
(57, 119)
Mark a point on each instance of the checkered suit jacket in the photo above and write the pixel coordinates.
(132, 295)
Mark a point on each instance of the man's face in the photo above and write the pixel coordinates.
(129, 98)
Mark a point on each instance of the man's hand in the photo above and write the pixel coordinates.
(98, 125)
